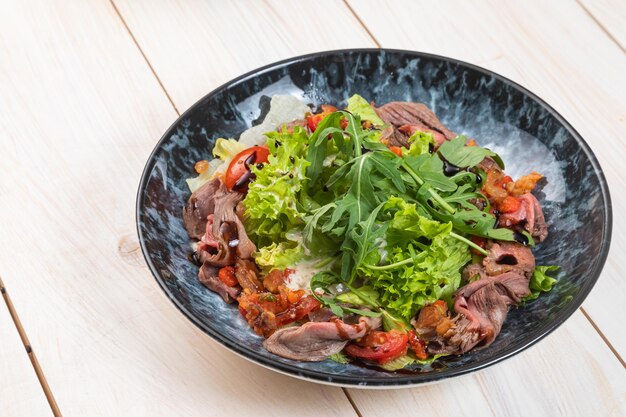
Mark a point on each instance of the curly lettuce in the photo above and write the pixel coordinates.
(541, 281)
(224, 151)
(419, 263)
(271, 204)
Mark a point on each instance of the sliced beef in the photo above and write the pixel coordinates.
(315, 341)
(247, 275)
(489, 164)
(200, 205)
(208, 276)
(225, 205)
(509, 256)
(410, 130)
(528, 217)
(392, 136)
(502, 257)
(400, 113)
(470, 272)
(218, 250)
(224, 237)
(481, 308)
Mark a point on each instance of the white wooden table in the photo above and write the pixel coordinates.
(86, 89)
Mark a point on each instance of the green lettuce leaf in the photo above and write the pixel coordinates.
(422, 263)
(226, 149)
(408, 360)
(359, 106)
(339, 358)
(541, 281)
(272, 200)
(279, 256)
(420, 142)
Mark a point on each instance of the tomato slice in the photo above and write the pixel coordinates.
(238, 174)
(417, 345)
(380, 347)
(315, 119)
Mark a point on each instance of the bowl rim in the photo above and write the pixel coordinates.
(400, 380)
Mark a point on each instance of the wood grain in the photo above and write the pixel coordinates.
(571, 373)
(568, 61)
(79, 113)
(611, 15)
(196, 46)
(20, 391)
(447, 398)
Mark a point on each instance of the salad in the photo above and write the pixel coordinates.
(370, 234)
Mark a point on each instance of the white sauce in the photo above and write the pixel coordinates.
(301, 278)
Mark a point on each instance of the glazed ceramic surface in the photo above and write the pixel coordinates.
(525, 131)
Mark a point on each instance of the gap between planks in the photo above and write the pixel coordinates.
(606, 341)
(605, 30)
(145, 58)
(375, 41)
(156, 76)
(358, 19)
(593, 324)
(29, 351)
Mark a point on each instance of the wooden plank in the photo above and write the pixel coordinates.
(196, 46)
(611, 15)
(571, 373)
(555, 58)
(444, 399)
(20, 391)
(80, 112)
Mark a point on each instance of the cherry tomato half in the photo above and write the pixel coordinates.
(380, 347)
(238, 174)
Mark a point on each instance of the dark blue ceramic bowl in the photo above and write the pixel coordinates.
(500, 114)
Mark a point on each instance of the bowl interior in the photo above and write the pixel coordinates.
(497, 113)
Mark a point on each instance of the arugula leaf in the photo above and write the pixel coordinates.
(353, 298)
(321, 289)
(357, 244)
(456, 153)
(429, 168)
(317, 150)
(387, 164)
